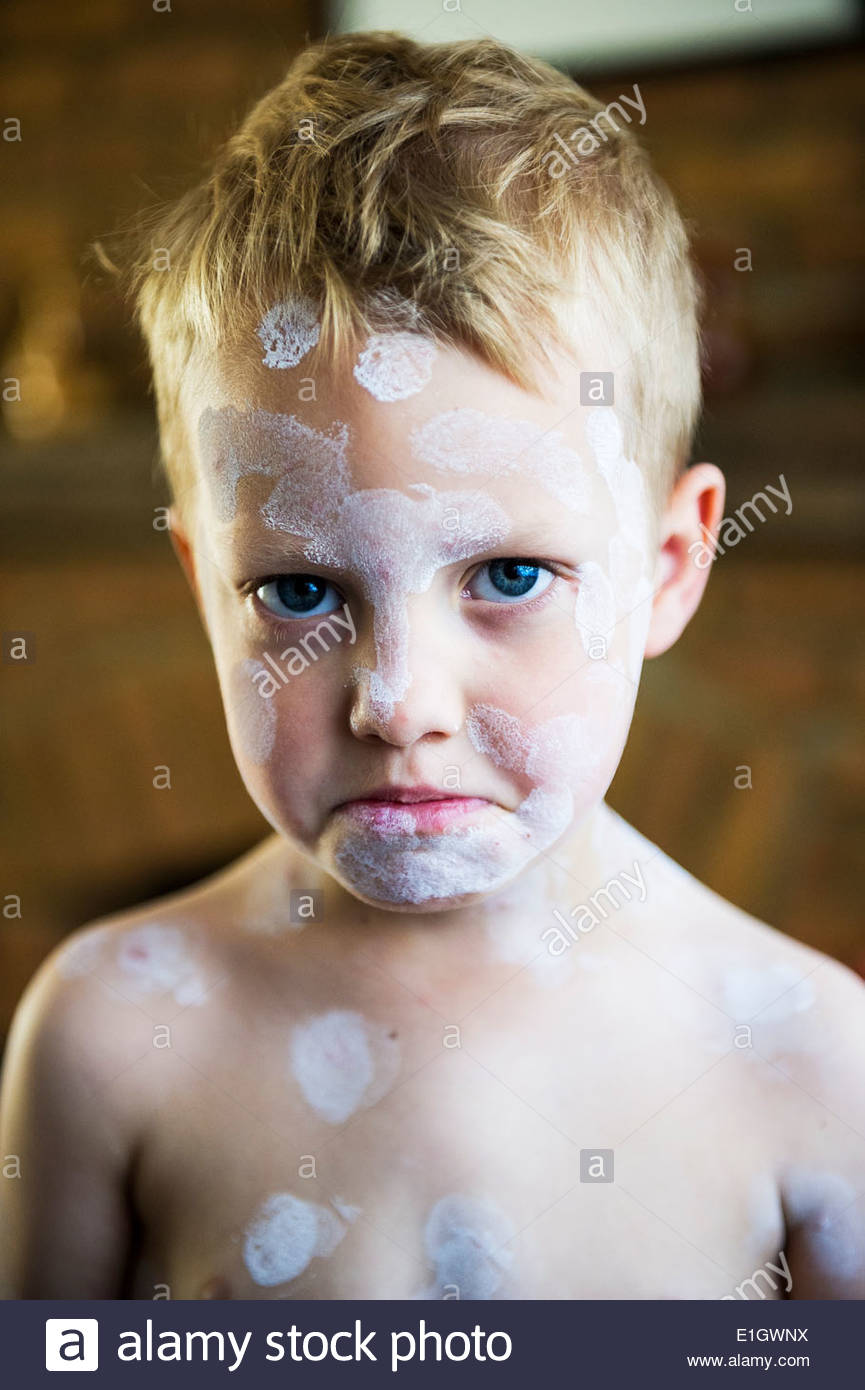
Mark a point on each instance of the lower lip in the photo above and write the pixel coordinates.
(426, 815)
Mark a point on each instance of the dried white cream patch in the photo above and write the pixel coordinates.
(467, 1241)
(622, 475)
(595, 608)
(772, 992)
(285, 1234)
(468, 441)
(156, 958)
(397, 544)
(563, 751)
(288, 331)
(395, 365)
(235, 444)
(251, 716)
(629, 548)
(400, 866)
(341, 1062)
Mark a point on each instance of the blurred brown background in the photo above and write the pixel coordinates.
(119, 104)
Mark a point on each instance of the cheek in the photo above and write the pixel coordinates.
(596, 610)
(568, 759)
(572, 757)
(250, 712)
(282, 742)
(594, 728)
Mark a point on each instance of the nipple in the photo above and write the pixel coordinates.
(216, 1287)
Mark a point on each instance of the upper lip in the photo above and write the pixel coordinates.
(421, 792)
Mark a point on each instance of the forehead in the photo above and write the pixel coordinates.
(278, 446)
(380, 426)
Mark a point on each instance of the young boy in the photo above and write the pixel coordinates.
(426, 391)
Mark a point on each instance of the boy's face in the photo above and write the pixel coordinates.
(416, 572)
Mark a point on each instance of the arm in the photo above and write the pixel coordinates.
(64, 1220)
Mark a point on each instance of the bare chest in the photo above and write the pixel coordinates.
(516, 1164)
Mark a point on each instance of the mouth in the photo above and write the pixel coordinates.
(415, 808)
(405, 795)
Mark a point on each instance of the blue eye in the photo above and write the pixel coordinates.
(514, 579)
(296, 596)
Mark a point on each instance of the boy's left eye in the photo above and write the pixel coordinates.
(512, 579)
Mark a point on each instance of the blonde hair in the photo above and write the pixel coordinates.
(406, 185)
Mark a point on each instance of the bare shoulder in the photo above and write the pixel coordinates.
(88, 1004)
(694, 926)
(804, 1010)
(172, 948)
(79, 1082)
(84, 1020)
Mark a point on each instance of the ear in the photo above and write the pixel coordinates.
(185, 554)
(689, 528)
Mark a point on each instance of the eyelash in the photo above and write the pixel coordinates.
(533, 605)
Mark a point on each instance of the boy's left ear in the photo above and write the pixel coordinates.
(688, 530)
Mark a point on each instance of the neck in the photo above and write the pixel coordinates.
(504, 924)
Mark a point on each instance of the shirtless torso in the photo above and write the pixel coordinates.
(664, 1104)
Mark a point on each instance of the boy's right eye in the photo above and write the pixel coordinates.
(296, 596)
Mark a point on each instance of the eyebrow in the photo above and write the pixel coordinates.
(283, 552)
(264, 549)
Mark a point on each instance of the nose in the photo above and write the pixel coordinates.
(407, 684)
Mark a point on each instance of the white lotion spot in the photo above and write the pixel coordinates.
(629, 548)
(284, 1236)
(227, 446)
(395, 365)
(468, 441)
(342, 1062)
(288, 331)
(773, 992)
(595, 609)
(467, 1241)
(640, 617)
(622, 475)
(156, 959)
(236, 444)
(560, 755)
